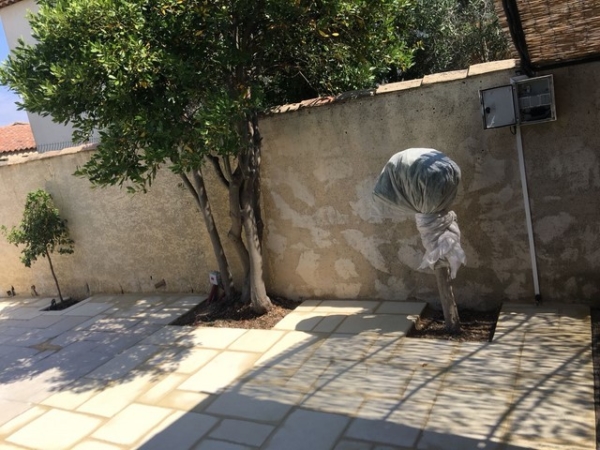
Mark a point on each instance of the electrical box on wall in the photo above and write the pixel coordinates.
(214, 278)
(525, 101)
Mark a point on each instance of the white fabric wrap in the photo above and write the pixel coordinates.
(441, 238)
(424, 181)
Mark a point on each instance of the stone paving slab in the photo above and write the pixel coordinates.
(131, 424)
(308, 429)
(55, 429)
(217, 374)
(110, 374)
(242, 432)
(174, 432)
(124, 363)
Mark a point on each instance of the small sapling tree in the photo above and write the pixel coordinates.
(42, 231)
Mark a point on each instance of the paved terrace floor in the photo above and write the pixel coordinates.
(110, 374)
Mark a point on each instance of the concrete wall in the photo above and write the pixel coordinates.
(123, 242)
(563, 164)
(320, 165)
(16, 26)
(323, 237)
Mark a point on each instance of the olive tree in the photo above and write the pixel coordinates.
(42, 231)
(182, 84)
(453, 34)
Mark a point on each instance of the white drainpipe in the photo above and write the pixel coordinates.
(536, 284)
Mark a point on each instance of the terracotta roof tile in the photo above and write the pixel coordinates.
(16, 138)
(4, 3)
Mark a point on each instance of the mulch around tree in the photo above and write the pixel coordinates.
(223, 314)
(57, 305)
(476, 326)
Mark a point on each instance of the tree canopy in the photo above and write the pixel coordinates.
(179, 83)
(163, 78)
(42, 231)
(453, 34)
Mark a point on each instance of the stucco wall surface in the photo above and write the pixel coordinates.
(563, 164)
(324, 238)
(123, 242)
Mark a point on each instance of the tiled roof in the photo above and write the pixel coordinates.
(16, 137)
(4, 3)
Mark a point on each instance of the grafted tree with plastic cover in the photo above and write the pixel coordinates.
(424, 182)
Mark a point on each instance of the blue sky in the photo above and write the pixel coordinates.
(8, 109)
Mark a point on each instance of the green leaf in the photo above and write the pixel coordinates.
(41, 230)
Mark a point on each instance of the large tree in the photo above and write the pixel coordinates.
(182, 83)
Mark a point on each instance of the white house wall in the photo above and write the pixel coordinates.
(16, 26)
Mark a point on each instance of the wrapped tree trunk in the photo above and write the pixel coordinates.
(444, 282)
(425, 182)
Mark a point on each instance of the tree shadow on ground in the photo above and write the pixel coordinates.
(369, 388)
(46, 353)
(311, 389)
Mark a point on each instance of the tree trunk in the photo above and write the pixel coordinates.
(54, 276)
(249, 164)
(199, 193)
(235, 232)
(260, 226)
(444, 282)
(261, 303)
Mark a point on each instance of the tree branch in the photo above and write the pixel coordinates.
(188, 184)
(227, 166)
(215, 162)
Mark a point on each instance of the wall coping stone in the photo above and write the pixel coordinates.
(400, 86)
(34, 156)
(443, 77)
(493, 66)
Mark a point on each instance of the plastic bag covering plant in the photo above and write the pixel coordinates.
(42, 231)
(424, 182)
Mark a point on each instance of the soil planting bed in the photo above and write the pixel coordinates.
(476, 326)
(236, 315)
(57, 305)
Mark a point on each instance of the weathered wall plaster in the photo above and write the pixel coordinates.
(336, 151)
(563, 163)
(324, 235)
(123, 242)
